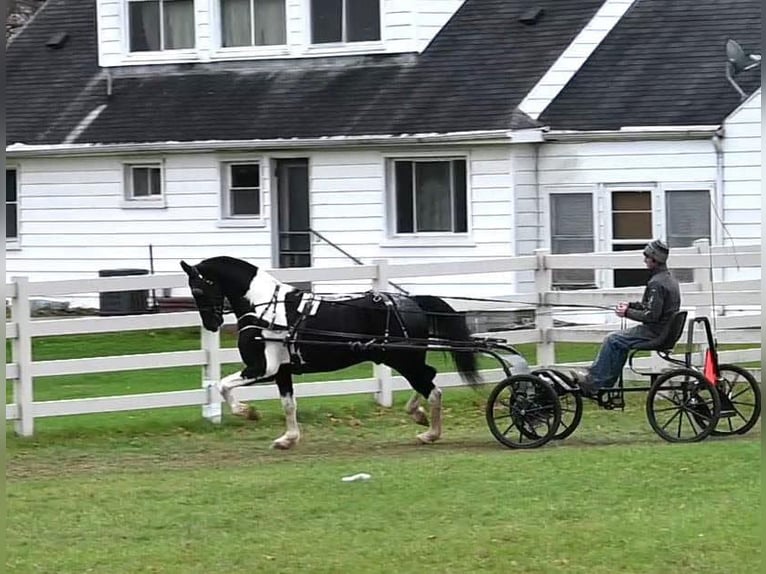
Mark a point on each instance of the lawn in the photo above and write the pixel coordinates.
(166, 491)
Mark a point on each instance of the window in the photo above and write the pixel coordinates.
(242, 190)
(345, 21)
(572, 232)
(252, 22)
(430, 196)
(687, 218)
(160, 24)
(631, 229)
(11, 205)
(143, 182)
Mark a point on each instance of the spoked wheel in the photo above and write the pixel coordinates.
(740, 397)
(683, 406)
(571, 403)
(523, 411)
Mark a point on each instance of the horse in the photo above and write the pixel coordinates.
(283, 331)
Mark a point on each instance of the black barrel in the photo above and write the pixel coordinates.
(123, 302)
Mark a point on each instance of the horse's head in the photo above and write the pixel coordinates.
(207, 295)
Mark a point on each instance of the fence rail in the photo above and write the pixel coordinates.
(697, 296)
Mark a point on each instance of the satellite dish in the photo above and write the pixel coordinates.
(737, 62)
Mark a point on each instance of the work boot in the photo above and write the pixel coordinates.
(584, 380)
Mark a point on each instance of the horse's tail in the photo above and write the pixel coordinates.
(446, 323)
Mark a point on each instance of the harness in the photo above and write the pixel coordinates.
(253, 320)
(307, 307)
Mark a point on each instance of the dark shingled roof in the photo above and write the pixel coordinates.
(662, 65)
(471, 77)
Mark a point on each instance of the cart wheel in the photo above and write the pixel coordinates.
(683, 406)
(523, 411)
(740, 397)
(571, 405)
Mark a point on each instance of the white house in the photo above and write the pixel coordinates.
(288, 132)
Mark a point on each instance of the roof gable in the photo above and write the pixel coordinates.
(662, 65)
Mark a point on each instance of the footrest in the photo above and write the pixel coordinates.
(611, 400)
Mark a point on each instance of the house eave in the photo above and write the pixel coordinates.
(486, 137)
(642, 133)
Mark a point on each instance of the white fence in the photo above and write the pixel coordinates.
(697, 296)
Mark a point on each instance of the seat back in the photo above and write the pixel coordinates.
(666, 340)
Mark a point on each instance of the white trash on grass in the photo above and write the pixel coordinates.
(356, 477)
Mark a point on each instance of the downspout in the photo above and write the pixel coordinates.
(717, 235)
(719, 183)
(540, 215)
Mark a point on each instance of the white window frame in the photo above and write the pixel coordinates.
(429, 238)
(132, 201)
(343, 47)
(227, 219)
(716, 227)
(13, 243)
(221, 52)
(657, 210)
(161, 55)
(548, 191)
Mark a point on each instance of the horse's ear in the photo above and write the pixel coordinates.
(190, 271)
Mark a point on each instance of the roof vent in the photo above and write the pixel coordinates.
(531, 16)
(57, 40)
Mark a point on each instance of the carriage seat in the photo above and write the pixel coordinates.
(665, 341)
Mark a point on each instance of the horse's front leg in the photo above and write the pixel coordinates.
(416, 412)
(226, 388)
(434, 431)
(293, 434)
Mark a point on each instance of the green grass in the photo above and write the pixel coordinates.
(166, 491)
(175, 494)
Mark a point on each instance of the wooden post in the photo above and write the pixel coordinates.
(211, 374)
(21, 347)
(385, 394)
(546, 353)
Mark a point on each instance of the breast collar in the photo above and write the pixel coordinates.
(266, 319)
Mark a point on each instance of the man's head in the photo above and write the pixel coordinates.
(656, 254)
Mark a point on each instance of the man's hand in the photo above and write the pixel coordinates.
(621, 309)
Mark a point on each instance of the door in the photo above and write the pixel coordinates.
(293, 218)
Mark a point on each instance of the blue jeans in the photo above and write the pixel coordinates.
(606, 368)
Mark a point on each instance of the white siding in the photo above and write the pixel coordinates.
(527, 211)
(574, 57)
(72, 223)
(406, 26)
(742, 171)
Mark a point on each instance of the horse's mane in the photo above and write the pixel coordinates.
(226, 261)
(225, 268)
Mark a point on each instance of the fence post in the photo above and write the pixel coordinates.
(546, 353)
(703, 280)
(385, 394)
(211, 373)
(22, 355)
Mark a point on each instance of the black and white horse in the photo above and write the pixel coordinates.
(283, 330)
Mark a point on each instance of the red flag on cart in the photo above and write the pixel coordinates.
(709, 368)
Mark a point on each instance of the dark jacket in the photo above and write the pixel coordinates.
(661, 300)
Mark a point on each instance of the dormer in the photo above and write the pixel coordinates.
(140, 32)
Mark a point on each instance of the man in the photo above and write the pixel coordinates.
(661, 300)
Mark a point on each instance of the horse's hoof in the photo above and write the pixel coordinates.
(283, 443)
(427, 437)
(419, 416)
(252, 414)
